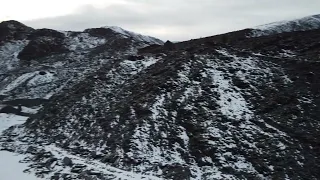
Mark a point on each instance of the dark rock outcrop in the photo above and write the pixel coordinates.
(43, 46)
(13, 110)
(46, 33)
(169, 46)
(13, 30)
(67, 161)
(100, 32)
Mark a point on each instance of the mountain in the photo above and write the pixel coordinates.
(38, 63)
(303, 24)
(107, 103)
(281, 28)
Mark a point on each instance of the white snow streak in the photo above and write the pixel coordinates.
(231, 102)
(134, 35)
(17, 82)
(41, 79)
(7, 120)
(11, 169)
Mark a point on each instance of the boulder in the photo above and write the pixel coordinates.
(67, 161)
(10, 110)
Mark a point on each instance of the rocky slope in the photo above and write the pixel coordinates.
(35, 64)
(276, 29)
(211, 108)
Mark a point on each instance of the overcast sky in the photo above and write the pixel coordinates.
(165, 19)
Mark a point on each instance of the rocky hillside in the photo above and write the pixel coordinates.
(35, 64)
(224, 107)
(298, 26)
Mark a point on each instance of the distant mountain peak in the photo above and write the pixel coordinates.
(137, 36)
(13, 30)
(11, 23)
(302, 24)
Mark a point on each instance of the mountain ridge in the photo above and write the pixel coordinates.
(301, 24)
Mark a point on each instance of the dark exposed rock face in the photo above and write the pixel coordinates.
(46, 33)
(149, 48)
(169, 46)
(13, 30)
(43, 42)
(42, 73)
(10, 110)
(224, 107)
(41, 48)
(100, 32)
(135, 58)
(26, 102)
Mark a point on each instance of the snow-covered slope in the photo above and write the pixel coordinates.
(10, 163)
(38, 64)
(27, 82)
(134, 35)
(228, 114)
(303, 24)
(47, 60)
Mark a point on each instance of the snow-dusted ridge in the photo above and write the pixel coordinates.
(134, 35)
(301, 24)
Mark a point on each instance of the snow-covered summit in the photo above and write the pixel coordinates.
(302, 24)
(134, 35)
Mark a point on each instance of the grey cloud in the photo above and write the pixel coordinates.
(182, 19)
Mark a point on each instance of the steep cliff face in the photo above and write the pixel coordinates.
(201, 109)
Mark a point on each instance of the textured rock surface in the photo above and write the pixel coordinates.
(222, 107)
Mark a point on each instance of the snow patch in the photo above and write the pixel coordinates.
(33, 110)
(138, 65)
(287, 53)
(21, 79)
(41, 79)
(8, 120)
(232, 104)
(157, 108)
(82, 41)
(12, 169)
(134, 35)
